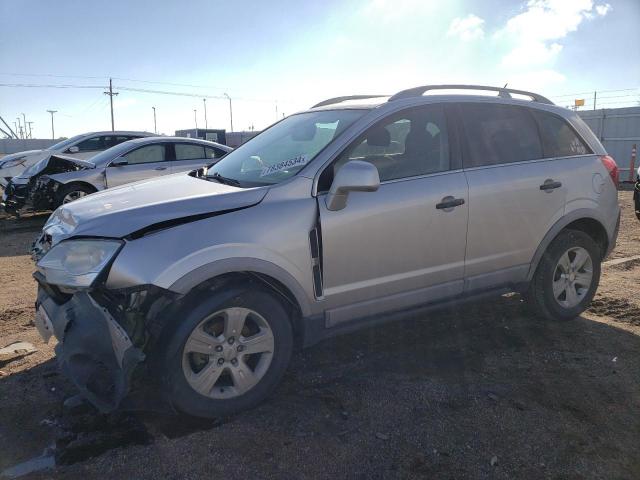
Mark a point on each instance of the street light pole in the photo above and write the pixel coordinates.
(195, 119)
(53, 134)
(30, 134)
(19, 127)
(206, 125)
(230, 110)
(155, 128)
(24, 117)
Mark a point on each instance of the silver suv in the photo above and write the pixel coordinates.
(196, 288)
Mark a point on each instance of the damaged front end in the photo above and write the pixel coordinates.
(103, 337)
(35, 189)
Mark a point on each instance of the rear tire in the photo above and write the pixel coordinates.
(559, 287)
(239, 378)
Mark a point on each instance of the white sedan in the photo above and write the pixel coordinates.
(81, 146)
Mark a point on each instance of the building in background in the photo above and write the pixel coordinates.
(211, 134)
(232, 139)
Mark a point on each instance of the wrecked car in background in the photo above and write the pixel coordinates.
(60, 179)
(83, 146)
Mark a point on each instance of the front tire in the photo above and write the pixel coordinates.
(567, 276)
(228, 352)
(72, 192)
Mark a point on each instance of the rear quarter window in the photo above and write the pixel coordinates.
(559, 139)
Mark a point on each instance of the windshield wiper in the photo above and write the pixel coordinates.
(227, 181)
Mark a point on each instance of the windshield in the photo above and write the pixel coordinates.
(65, 143)
(283, 150)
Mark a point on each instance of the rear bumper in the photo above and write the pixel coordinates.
(92, 350)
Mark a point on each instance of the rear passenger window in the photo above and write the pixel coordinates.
(559, 139)
(499, 134)
(185, 151)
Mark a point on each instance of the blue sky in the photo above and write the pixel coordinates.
(285, 55)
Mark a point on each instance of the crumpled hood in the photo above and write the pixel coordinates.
(121, 211)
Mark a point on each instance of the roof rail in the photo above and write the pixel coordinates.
(502, 92)
(331, 101)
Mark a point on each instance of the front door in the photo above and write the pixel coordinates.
(404, 244)
(145, 162)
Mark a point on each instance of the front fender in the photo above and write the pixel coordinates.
(242, 264)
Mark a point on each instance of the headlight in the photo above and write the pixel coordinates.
(77, 263)
(13, 163)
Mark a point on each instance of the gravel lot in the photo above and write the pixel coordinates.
(481, 391)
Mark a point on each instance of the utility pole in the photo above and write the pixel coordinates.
(595, 96)
(206, 125)
(53, 133)
(230, 110)
(30, 123)
(155, 128)
(111, 94)
(276, 111)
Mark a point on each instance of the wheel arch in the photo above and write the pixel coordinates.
(582, 220)
(243, 270)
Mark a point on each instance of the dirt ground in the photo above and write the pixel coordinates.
(480, 391)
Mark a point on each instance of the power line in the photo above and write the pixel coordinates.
(599, 91)
(35, 85)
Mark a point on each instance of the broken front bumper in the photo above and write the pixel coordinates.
(93, 350)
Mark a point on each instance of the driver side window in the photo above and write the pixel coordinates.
(410, 143)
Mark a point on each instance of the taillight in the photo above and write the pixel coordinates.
(611, 166)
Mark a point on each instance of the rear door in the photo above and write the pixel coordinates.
(515, 194)
(145, 162)
(403, 244)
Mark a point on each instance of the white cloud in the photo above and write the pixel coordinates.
(468, 28)
(535, 33)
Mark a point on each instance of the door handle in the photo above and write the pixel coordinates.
(161, 168)
(550, 184)
(449, 202)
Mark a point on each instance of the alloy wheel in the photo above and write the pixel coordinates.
(572, 277)
(75, 195)
(228, 353)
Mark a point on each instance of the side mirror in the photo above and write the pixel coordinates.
(354, 176)
(74, 149)
(119, 162)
